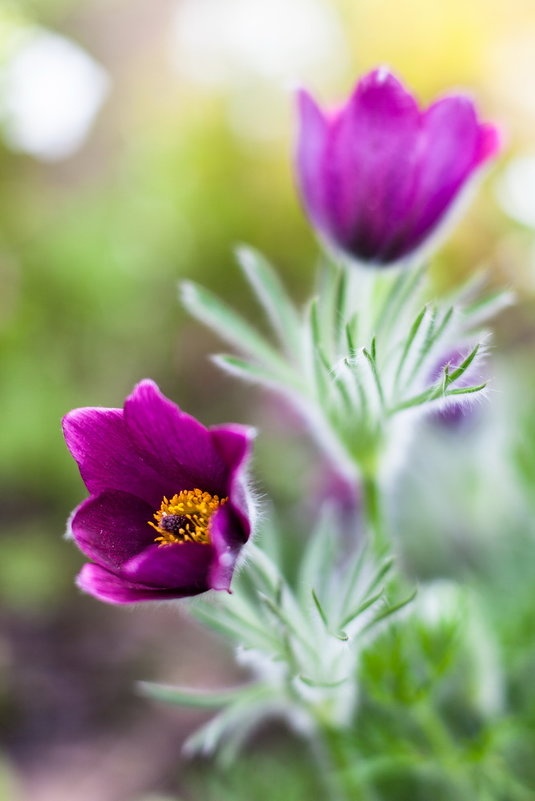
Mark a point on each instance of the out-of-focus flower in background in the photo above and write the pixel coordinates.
(379, 176)
(52, 92)
(153, 461)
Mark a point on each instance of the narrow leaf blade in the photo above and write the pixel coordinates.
(272, 295)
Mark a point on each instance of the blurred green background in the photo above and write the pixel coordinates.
(140, 140)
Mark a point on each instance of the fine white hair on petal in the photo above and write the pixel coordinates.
(68, 535)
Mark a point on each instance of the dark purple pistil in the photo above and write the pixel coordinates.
(173, 523)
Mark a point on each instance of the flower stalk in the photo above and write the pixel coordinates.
(374, 515)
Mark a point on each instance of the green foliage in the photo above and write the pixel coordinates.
(363, 351)
(264, 775)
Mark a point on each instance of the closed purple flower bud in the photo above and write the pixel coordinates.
(379, 175)
(168, 512)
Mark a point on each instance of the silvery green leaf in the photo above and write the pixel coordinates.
(244, 369)
(185, 696)
(320, 609)
(393, 300)
(339, 633)
(269, 536)
(273, 297)
(329, 293)
(319, 369)
(488, 306)
(265, 571)
(428, 395)
(351, 616)
(242, 714)
(370, 357)
(286, 611)
(415, 327)
(382, 572)
(273, 591)
(402, 293)
(466, 390)
(463, 367)
(390, 610)
(254, 373)
(317, 561)
(350, 585)
(354, 369)
(215, 314)
(325, 684)
(360, 590)
(228, 622)
(351, 335)
(340, 306)
(424, 343)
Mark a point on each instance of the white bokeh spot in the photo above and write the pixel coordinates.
(51, 92)
(516, 190)
(213, 41)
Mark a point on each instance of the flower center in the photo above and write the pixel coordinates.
(186, 517)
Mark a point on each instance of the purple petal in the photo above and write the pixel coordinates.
(489, 142)
(453, 146)
(227, 541)
(99, 442)
(234, 443)
(106, 586)
(369, 163)
(112, 527)
(175, 445)
(311, 141)
(179, 566)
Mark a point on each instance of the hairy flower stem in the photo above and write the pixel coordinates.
(374, 515)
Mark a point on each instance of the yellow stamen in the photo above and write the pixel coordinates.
(188, 517)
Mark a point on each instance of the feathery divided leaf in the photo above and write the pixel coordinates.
(214, 313)
(318, 557)
(463, 367)
(273, 297)
(371, 358)
(185, 696)
(391, 610)
(233, 723)
(362, 608)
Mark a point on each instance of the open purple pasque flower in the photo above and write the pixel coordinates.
(168, 513)
(378, 176)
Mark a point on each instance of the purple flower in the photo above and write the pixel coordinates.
(379, 175)
(167, 514)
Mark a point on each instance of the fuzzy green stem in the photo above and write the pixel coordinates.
(373, 511)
